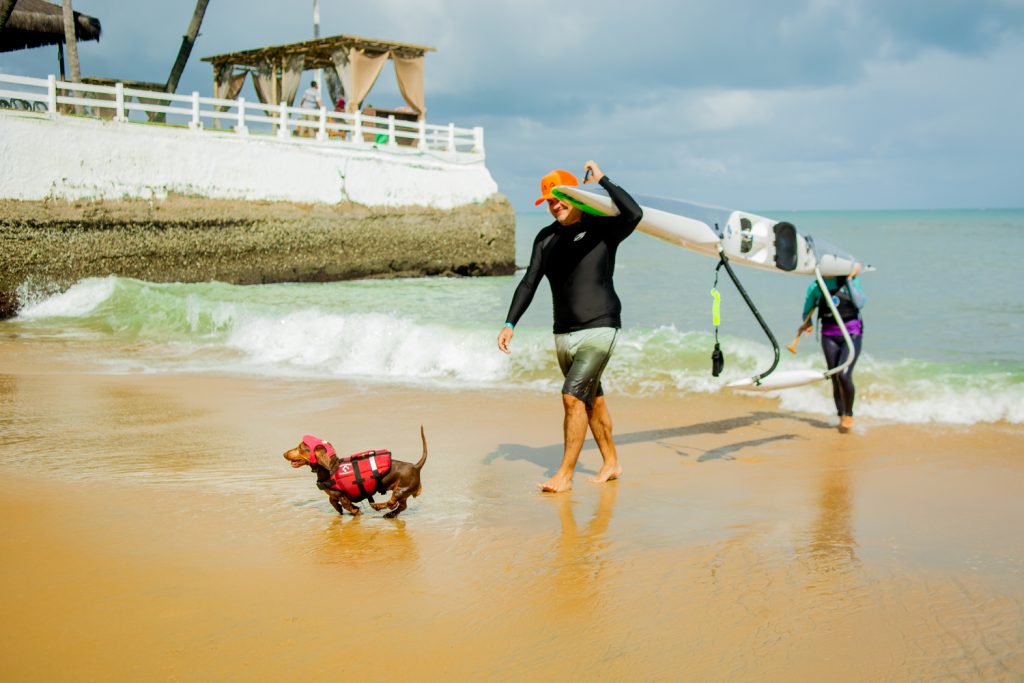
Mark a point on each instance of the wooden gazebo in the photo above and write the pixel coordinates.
(34, 23)
(357, 62)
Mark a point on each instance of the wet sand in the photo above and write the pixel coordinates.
(151, 530)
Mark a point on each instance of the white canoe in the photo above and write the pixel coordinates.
(745, 238)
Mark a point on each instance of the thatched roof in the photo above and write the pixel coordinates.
(36, 22)
(317, 52)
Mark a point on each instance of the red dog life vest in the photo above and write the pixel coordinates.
(357, 475)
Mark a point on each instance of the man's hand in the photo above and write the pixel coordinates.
(594, 169)
(504, 337)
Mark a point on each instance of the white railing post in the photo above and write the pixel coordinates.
(240, 128)
(282, 126)
(321, 135)
(423, 133)
(451, 137)
(478, 139)
(51, 94)
(119, 100)
(391, 130)
(357, 133)
(196, 123)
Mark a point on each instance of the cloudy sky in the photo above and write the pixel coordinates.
(788, 104)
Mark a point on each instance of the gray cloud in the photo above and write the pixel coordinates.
(794, 103)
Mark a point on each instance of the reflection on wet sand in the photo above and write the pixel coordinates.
(364, 541)
(580, 570)
(831, 546)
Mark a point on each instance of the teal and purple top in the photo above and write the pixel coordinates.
(848, 298)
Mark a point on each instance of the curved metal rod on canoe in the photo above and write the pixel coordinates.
(757, 314)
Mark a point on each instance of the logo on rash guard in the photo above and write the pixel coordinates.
(578, 237)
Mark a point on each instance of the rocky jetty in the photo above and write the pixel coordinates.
(53, 244)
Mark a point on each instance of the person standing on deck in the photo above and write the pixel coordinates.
(577, 255)
(310, 100)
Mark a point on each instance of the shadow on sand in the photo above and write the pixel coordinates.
(549, 457)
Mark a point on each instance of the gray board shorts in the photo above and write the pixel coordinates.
(582, 356)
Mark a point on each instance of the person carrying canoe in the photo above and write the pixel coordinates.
(577, 255)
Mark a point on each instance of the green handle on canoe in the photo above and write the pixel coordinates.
(716, 307)
(578, 204)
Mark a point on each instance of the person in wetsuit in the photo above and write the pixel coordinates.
(848, 298)
(577, 255)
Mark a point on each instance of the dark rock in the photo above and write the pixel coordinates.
(184, 239)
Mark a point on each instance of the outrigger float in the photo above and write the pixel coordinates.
(744, 238)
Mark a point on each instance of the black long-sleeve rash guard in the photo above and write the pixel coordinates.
(579, 262)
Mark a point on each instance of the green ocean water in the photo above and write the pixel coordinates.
(943, 324)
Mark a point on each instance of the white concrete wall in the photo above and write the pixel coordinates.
(70, 158)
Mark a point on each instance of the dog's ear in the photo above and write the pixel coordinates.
(321, 454)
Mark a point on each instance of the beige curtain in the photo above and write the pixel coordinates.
(344, 68)
(229, 82)
(263, 81)
(290, 80)
(365, 68)
(409, 73)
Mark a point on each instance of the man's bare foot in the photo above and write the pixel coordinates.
(845, 424)
(607, 473)
(556, 484)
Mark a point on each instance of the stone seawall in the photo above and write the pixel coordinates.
(53, 244)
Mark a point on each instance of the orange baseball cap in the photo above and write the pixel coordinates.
(554, 179)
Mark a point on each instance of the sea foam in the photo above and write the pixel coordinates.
(309, 332)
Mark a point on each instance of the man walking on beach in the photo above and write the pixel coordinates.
(577, 255)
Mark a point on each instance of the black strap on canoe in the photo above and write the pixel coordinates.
(753, 309)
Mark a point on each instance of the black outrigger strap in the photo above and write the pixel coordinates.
(753, 309)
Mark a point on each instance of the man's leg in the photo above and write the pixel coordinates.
(575, 431)
(601, 427)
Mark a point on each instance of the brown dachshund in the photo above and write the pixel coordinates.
(402, 479)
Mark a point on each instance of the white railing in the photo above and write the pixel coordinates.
(54, 98)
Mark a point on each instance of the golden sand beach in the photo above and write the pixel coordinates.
(151, 530)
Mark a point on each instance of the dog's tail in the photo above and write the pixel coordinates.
(423, 459)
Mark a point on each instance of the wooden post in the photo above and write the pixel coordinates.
(478, 139)
(71, 41)
(357, 134)
(321, 135)
(277, 86)
(282, 126)
(196, 123)
(119, 113)
(240, 128)
(423, 133)
(451, 137)
(51, 94)
(391, 130)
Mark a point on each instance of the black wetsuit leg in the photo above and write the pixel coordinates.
(842, 382)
